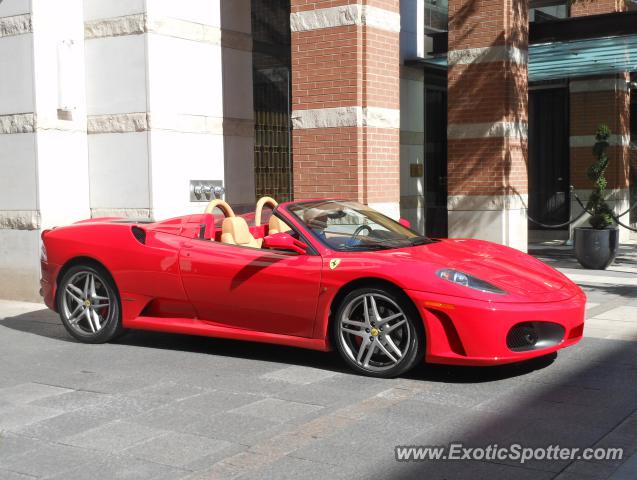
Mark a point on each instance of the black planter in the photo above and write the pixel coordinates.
(596, 249)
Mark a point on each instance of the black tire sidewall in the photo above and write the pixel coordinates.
(113, 327)
(417, 338)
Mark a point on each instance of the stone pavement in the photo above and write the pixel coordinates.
(163, 406)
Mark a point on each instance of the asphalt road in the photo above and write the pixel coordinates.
(165, 406)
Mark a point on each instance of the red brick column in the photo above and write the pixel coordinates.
(345, 100)
(488, 123)
(598, 100)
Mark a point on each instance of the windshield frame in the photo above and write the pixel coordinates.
(372, 247)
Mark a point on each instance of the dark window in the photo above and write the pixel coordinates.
(271, 60)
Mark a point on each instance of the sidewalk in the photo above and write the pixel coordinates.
(159, 406)
(612, 293)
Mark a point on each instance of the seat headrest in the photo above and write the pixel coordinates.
(238, 228)
(276, 225)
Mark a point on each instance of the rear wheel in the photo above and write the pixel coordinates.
(89, 305)
(378, 332)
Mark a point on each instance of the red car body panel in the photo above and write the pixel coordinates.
(176, 282)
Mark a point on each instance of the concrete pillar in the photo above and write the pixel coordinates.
(488, 121)
(412, 115)
(594, 101)
(43, 159)
(169, 93)
(345, 101)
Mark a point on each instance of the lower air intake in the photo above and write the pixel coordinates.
(534, 336)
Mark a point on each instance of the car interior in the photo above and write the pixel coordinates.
(235, 229)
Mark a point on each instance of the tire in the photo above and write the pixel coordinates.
(391, 329)
(89, 304)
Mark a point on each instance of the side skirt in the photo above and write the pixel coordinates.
(198, 327)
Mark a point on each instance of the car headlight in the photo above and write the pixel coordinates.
(470, 281)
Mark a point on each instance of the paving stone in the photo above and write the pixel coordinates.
(28, 392)
(73, 400)
(49, 460)
(122, 467)
(177, 449)
(277, 410)
(299, 375)
(22, 415)
(112, 437)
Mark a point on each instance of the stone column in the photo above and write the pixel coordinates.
(158, 115)
(488, 111)
(43, 159)
(345, 101)
(596, 100)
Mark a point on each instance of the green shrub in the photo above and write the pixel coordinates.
(601, 213)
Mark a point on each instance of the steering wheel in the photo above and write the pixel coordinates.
(260, 204)
(221, 205)
(359, 230)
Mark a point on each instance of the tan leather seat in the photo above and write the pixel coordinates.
(276, 225)
(235, 231)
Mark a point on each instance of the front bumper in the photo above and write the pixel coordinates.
(462, 331)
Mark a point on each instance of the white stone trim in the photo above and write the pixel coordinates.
(186, 123)
(499, 53)
(577, 141)
(117, 123)
(113, 27)
(172, 27)
(121, 212)
(20, 219)
(142, 122)
(140, 23)
(346, 117)
(472, 203)
(17, 123)
(598, 85)
(15, 25)
(359, 15)
(512, 130)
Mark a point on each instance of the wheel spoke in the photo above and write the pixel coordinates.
(96, 320)
(393, 327)
(101, 304)
(73, 296)
(370, 352)
(366, 309)
(390, 343)
(386, 352)
(383, 321)
(77, 290)
(374, 308)
(76, 314)
(358, 333)
(361, 350)
(356, 323)
(92, 287)
(89, 320)
(87, 283)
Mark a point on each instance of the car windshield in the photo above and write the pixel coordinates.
(351, 226)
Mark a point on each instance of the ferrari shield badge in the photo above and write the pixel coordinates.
(335, 262)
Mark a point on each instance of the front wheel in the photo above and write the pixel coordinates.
(378, 333)
(89, 306)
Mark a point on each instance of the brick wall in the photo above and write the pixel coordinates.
(356, 66)
(488, 91)
(590, 108)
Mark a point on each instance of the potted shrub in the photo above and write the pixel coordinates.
(596, 246)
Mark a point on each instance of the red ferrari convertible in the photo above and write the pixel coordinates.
(317, 274)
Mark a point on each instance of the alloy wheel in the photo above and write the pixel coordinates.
(374, 332)
(86, 303)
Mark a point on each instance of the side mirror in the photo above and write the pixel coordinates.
(284, 241)
(405, 223)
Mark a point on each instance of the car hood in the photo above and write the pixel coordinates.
(522, 276)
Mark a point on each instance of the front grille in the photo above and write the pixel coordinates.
(534, 336)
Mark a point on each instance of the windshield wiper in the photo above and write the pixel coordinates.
(368, 246)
